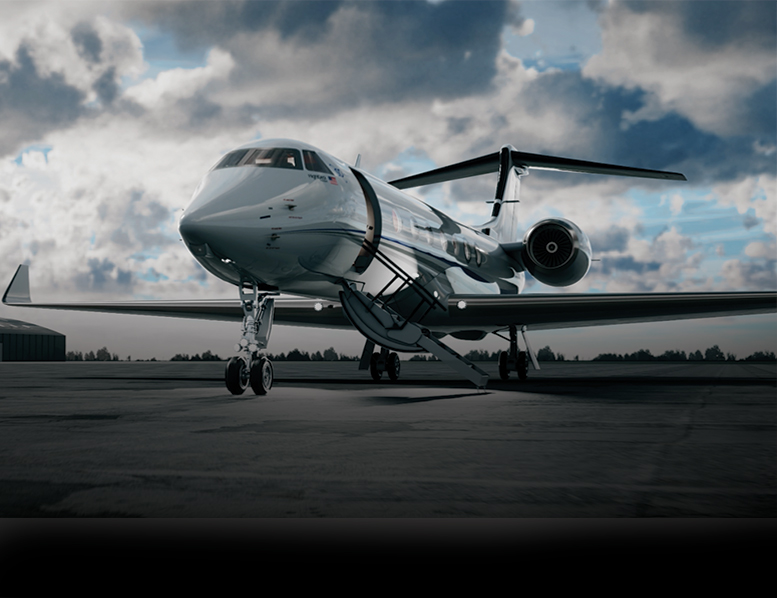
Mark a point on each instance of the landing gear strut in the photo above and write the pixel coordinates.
(515, 360)
(250, 368)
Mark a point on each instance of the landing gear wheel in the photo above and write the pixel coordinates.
(392, 366)
(236, 375)
(261, 376)
(522, 367)
(375, 370)
(504, 373)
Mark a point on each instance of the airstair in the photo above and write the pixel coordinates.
(377, 320)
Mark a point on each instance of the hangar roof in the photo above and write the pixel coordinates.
(19, 327)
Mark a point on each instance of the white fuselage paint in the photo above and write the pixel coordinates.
(301, 231)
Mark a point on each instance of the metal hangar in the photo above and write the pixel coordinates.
(22, 341)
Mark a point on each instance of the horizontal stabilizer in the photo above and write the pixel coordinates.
(490, 163)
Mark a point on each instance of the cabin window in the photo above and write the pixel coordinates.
(314, 163)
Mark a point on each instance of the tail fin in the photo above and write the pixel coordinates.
(503, 225)
(511, 165)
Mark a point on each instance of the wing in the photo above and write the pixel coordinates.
(544, 312)
(288, 311)
(480, 312)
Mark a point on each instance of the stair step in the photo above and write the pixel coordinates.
(461, 364)
(382, 325)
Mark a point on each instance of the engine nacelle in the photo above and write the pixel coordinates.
(556, 252)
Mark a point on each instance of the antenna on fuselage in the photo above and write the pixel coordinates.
(358, 161)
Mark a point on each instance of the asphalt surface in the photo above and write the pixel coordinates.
(430, 455)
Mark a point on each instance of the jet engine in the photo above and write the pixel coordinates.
(556, 252)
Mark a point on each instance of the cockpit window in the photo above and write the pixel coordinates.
(276, 158)
(272, 158)
(231, 159)
(314, 163)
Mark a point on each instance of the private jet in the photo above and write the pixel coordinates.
(281, 216)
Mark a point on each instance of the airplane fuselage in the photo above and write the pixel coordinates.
(298, 224)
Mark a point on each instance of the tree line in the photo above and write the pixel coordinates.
(713, 353)
(101, 355)
(294, 355)
(710, 354)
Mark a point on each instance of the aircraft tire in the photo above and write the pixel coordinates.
(504, 373)
(522, 367)
(392, 366)
(262, 374)
(236, 375)
(375, 371)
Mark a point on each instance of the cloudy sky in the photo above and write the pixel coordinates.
(112, 111)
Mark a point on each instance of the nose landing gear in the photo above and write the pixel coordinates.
(250, 368)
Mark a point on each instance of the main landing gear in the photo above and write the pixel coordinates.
(515, 360)
(250, 368)
(384, 362)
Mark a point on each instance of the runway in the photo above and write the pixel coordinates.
(166, 439)
(593, 460)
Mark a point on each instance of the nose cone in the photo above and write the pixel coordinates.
(202, 231)
(223, 203)
(234, 209)
(192, 227)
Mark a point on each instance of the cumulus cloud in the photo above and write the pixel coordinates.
(756, 193)
(32, 104)
(56, 67)
(760, 249)
(739, 274)
(333, 55)
(397, 82)
(711, 62)
(169, 88)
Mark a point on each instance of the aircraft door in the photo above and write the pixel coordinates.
(374, 224)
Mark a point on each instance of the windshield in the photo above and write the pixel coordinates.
(314, 163)
(273, 158)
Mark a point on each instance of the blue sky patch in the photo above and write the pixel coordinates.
(162, 53)
(36, 147)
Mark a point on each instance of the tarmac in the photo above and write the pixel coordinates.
(580, 446)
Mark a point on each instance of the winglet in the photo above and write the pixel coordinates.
(19, 289)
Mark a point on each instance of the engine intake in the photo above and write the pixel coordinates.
(556, 252)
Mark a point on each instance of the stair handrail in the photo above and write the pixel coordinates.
(407, 280)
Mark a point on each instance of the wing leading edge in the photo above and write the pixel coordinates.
(288, 311)
(545, 312)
